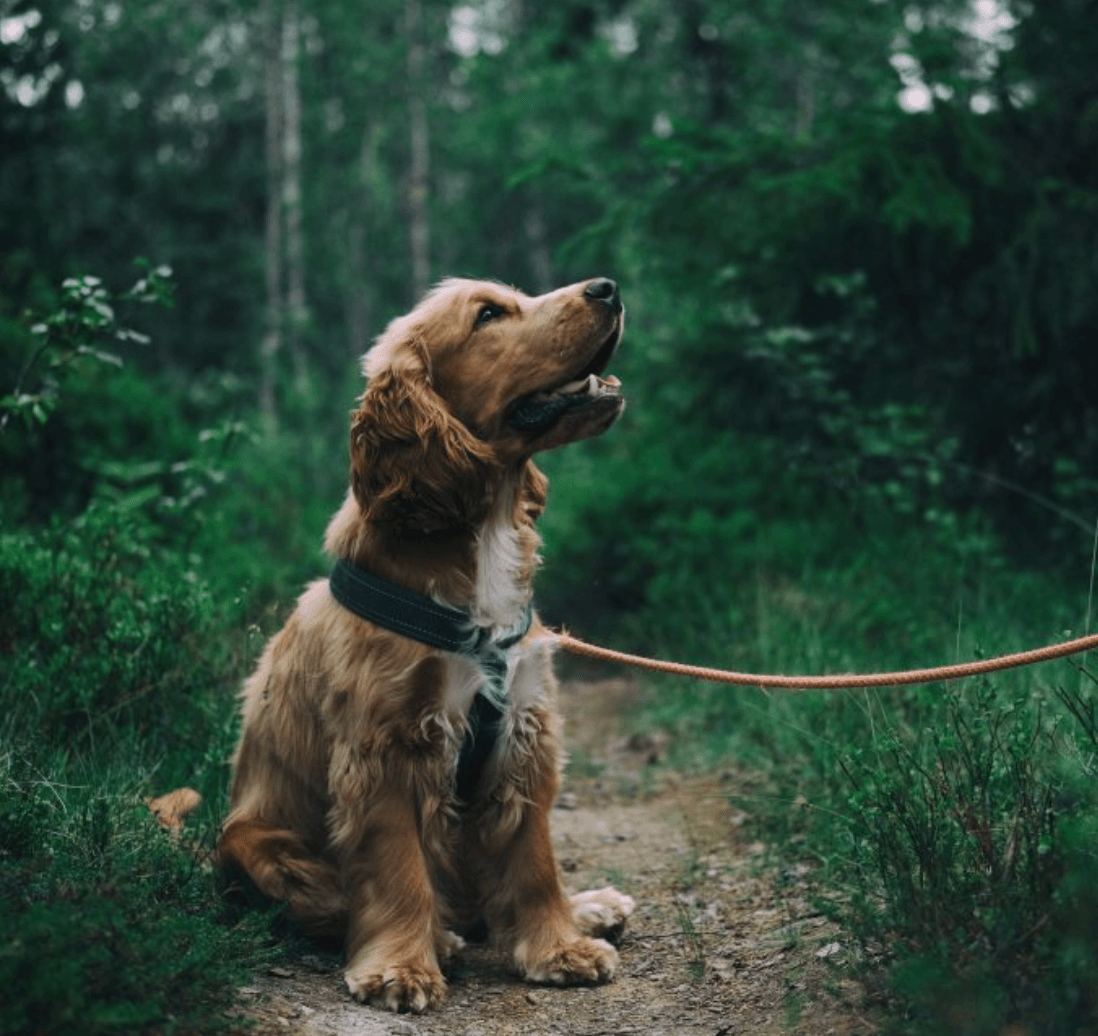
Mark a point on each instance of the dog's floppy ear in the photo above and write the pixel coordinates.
(412, 461)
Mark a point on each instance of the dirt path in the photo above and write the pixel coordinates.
(712, 950)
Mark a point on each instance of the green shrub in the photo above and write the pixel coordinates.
(952, 827)
(102, 626)
(962, 863)
(108, 926)
(113, 688)
(118, 673)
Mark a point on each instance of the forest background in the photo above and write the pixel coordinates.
(858, 245)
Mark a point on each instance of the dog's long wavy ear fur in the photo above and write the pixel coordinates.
(534, 491)
(412, 461)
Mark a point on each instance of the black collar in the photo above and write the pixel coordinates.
(451, 629)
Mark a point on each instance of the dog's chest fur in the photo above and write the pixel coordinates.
(527, 673)
(506, 555)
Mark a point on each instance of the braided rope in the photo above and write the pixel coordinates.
(834, 681)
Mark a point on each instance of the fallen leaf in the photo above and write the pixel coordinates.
(173, 808)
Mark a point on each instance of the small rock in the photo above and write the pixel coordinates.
(712, 914)
(829, 950)
(401, 1029)
(567, 800)
(651, 746)
(280, 972)
(531, 998)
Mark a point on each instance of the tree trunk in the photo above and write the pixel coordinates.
(419, 220)
(297, 311)
(365, 199)
(806, 107)
(271, 345)
(541, 260)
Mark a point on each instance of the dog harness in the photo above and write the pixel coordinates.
(451, 629)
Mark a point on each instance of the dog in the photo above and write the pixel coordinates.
(368, 792)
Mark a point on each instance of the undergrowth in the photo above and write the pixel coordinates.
(119, 664)
(972, 833)
(112, 690)
(953, 828)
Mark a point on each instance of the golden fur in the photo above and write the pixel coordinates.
(343, 801)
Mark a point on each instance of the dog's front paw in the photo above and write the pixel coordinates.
(580, 961)
(399, 987)
(602, 913)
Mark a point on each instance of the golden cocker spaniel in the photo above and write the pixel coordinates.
(400, 750)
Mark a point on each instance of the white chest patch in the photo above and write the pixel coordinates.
(500, 593)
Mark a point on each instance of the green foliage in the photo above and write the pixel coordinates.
(965, 863)
(99, 628)
(117, 671)
(75, 332)
(109, 927)
(112, 688)
(952, 827)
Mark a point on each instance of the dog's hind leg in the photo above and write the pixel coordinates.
(279, 866)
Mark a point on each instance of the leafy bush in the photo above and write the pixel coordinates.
(113, 687)
(967, 863)
(101, 627)
(109, 927)
(118, 668)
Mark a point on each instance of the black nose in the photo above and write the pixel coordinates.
(605, 289)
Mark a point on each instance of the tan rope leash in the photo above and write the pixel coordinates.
(833, 681)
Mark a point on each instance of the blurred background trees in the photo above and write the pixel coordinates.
(859, 237)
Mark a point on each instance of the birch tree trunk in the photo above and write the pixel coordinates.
(418, 218)
(541, 261)
(358, 299)
(296, 308)
(271, 345)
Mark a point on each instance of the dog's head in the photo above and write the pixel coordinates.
(473, 381)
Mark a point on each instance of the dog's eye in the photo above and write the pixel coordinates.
(488, 312)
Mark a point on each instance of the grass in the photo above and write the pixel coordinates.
(951, 827)
(692, 941)
(110, 928)
(114, 688)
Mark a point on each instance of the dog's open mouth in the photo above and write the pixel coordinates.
(540, 410)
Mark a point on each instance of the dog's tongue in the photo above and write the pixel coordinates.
(589, 386)
(543, 409)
